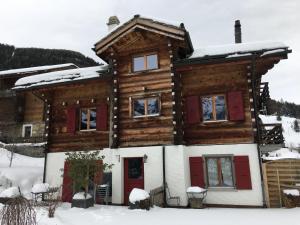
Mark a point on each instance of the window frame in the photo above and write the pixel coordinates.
(24, 128)
(145, 62)
(88, 118)
(214, 108)
(206, 157)
(131, 102)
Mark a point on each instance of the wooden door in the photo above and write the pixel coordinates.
(133, 176)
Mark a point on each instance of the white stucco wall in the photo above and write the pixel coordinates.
(177, 171)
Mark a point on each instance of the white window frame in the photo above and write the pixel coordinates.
(23, 129)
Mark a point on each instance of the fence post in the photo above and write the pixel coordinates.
(266, 186)
(279, 191)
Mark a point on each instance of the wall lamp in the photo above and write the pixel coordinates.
(145, 158)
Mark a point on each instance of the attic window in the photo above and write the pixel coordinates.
(145, 62)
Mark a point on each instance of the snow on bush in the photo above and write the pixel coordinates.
(82, 195)
(137, 195)
(10, 193)
(294, 192)
(195, 189)
(40, 188)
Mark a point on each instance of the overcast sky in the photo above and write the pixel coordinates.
(78, 24)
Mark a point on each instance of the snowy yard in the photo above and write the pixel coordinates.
(116, 215)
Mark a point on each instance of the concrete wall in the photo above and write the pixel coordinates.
(177, 171)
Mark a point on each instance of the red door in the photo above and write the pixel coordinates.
(133, 176)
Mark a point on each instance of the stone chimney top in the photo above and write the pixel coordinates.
(237, 32)
(113, 21)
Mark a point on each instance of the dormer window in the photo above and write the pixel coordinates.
(145, 62)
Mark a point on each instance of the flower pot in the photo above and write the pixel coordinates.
(82, 203)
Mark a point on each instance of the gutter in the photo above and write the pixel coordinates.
(164, 174)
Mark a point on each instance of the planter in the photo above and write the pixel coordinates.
(82, 203)
(196, 203)
(143, 204)
(290, 201)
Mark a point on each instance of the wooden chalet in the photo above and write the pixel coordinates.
(22, 115)
(163, 112)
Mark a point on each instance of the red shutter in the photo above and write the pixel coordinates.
(242, 172)
(72, 120)
(197, 172)
(102, 117)
(193, 109)
(235, 106)
(67, 189)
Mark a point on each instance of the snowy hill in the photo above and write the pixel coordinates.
(291, 137)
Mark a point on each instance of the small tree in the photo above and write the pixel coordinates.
(278, 117)
(82, 166)
(296, 126)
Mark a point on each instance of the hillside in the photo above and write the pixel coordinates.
(284, 108)
(14, 58)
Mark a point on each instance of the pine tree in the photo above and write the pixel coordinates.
(296, 126)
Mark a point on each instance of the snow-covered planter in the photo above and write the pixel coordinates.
(139, 199)
(196, 195)
(40, 188)
(291, 197)
(82, 200)
(8, 194)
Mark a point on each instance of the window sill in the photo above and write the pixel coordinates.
(88, 130)
(232, 189)
(215, 121)
(145, 116)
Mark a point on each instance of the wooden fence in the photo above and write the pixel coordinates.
(279, 175)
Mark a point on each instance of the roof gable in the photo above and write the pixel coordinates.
(175, 31)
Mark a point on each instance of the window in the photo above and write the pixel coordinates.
(219, 171)
(145, 107)
(135, 168)
(145, 62)
(214, 108)
(27, 131)
(88, 119)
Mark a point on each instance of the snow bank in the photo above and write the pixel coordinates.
(283, 153)
(40, 188)
(138, 195)
(195, 189)
(82, 195)
(60, 76)
(10, 193)
(293, 192)
(235, 50)
(291, 138)
(24, 172)
(35, 69)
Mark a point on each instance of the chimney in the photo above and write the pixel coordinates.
(237, 32)
(113, 22)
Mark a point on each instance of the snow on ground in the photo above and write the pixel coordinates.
(116, 215)
(292, 138)
(283, 153)
(25, 171)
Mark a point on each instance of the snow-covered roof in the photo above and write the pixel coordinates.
(35, 69)
(240, 49)
(61, 77)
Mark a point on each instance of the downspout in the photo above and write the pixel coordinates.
(258, 135)
(164, 173)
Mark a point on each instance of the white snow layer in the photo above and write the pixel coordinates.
(283, 153)
(35, 69)
(294, 192)
(10, 193)
(60, 76)
(24, 172)
(138, 195)
(195, 189)
(82, 195)
(234, 50)
(40, 188)
(291, 138)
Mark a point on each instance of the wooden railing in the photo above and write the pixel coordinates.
(264, 97)
(8, 140)
(271, 134)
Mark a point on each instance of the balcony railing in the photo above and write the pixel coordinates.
(264, 97)
(271, 134)
(8, 140)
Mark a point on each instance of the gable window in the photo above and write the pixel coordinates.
(145, 62)
(142, 107)
(88, 119)
(219, 171)
(214, 108)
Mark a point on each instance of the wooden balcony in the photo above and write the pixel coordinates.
(7, 93)
(271, 134)
(264, 97)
